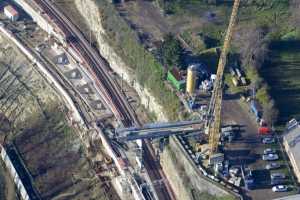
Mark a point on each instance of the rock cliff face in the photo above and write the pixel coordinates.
(90, 12)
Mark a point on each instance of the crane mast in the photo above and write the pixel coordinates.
(215, 106)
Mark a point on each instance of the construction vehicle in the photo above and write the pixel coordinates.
(213, 122)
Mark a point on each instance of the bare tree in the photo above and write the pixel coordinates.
(251, 44)
(295, 12)
(270, 113)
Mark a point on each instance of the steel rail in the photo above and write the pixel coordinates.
(95, 65)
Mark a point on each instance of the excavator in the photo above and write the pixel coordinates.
(213, 120)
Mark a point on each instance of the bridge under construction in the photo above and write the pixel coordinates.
(157, 130)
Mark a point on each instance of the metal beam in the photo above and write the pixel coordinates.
(158, 130)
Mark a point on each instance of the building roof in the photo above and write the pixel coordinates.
(11, 10)
(292, 139)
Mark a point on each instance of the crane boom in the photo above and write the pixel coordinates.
(215, 105)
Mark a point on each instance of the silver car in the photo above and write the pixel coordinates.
(269, 151)
(272, 165)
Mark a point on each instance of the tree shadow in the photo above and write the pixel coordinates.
(262, 178)
(241, 156)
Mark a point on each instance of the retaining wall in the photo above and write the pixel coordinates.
(14, 174)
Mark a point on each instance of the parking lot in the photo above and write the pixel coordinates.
(247, 149)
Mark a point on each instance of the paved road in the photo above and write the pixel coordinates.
(247, 149)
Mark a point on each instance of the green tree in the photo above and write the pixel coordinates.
(171, 52)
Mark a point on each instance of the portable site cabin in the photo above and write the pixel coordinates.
(11, 13)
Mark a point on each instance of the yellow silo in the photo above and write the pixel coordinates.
(192, 74)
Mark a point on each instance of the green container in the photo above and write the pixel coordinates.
(178, 84)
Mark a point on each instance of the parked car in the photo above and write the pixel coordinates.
(263, 130)
(268, 140)
(277, 176)
(273, 165)
(270, 157)
(280, 188)
(269, 151)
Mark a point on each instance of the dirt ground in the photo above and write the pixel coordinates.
(60, 169)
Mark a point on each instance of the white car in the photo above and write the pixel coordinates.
(270, 157)
(280, 188)
(269, 151)
(268, 140)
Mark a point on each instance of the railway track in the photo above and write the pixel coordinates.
(95, 64)
(99, 69)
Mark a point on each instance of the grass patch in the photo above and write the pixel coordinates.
(292, 35)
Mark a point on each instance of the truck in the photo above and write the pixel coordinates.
(255, 109)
